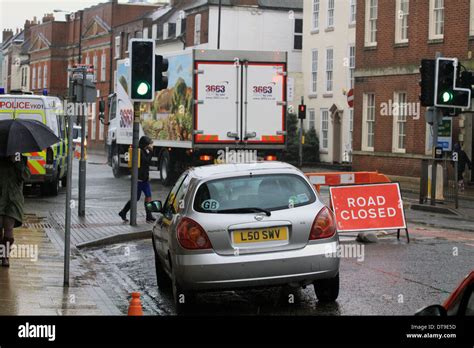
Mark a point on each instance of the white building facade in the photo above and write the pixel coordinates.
(328, 65)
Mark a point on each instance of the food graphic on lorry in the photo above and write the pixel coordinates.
(171, 111)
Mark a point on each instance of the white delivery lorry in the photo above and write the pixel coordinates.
(217, 101)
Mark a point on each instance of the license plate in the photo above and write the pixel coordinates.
(261, 235)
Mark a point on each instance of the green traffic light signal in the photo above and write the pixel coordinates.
(447, 97)
(143, 88)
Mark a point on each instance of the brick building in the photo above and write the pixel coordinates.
(391, 39)
(87, 37)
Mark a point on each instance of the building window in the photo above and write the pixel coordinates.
(315, 24)
(88, 60)
(117, 47)
(298, 42)
(351, 65)
(371, 7)
(353, 11)
(312, 119)
(69, 67)
(401, 21)
(93, 130)
(399, 119)
(197, 30)
(329, 69)
(330, 22)
(368, 130)
(165, 31)
(436, 19)
(96, 65)
(178, 26)
(33, 79)
(324, 129)
(40, 77)
(103, 67)
(471, 18)
(45, 76)
(154, 31)
(145, 33)
(314, 71)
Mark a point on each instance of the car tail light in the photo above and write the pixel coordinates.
(205, 158)
(324, 225)
(270, 158)
(192, 236)
(49, 156)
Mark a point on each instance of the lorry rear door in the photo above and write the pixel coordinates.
(264, 103)
(217, 108)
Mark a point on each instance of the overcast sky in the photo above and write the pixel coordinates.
(13, 13)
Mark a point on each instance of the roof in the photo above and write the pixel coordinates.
(281, 4)
(215, 170)
(270, 4)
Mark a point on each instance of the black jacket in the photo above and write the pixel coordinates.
(145, 162)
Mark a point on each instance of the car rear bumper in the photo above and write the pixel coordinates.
(213, 272)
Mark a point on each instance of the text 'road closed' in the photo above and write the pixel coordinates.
(368, 207)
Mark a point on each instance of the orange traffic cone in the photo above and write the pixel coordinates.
(135, 308)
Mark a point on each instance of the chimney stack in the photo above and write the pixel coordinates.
(7, 33)
(48, 17)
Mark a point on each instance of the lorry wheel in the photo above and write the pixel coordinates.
(116, 169)
(166, 174)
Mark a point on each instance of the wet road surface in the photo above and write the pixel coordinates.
(394, 278)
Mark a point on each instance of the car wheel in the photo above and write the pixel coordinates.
(50, 188)
(183, 300)
(64, 180)
(162, 277)
(327, 290)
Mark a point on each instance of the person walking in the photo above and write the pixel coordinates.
(145, 145)
(13, 172)
(463, 161)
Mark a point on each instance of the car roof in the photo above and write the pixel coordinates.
(260, 167)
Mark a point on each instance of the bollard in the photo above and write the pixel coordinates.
(135, 308)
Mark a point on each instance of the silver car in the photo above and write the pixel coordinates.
(231, 226)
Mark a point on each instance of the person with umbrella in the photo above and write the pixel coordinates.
(17, 136)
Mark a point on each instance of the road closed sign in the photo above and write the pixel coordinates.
(368, 207)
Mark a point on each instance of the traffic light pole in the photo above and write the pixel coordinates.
(434, 165)
(134, 188)
(82, 161)
(67, 230)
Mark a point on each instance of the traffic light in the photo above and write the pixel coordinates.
(302, 111)
(427, 82)
(161, 66)
(448, 94)
(142, 69)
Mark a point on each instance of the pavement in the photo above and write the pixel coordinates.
(33, 285)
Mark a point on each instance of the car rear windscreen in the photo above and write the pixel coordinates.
(269, 192)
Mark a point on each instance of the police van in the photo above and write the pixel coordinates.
(48, 167)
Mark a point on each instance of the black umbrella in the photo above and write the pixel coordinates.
(20, 136)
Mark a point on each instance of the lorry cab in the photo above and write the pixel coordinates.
(47, 167)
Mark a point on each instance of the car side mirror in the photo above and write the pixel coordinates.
(155, 206)
(433, 310)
